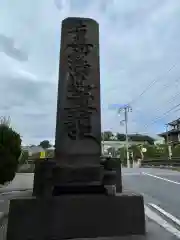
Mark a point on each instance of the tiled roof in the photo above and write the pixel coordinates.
(175, 122)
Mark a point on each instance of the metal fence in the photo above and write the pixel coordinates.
(174, 162)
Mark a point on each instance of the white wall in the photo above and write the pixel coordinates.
(119, 144)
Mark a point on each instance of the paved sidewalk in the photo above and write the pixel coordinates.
(22, 181)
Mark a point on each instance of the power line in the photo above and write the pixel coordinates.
(169, 101)
(150, 85)
(154, 81)
(158, 109)
(164, 114)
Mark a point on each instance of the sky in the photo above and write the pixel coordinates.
(139, 62)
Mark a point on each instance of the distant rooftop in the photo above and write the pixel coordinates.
(33, 149)
(175, 122)
(169, 132)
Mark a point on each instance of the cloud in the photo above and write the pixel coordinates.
(7, 46)
(139, 43)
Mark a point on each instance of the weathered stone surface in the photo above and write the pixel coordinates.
(109, 177)
(78, 216)
(80, 174)
(118, 180)
(49, 174)
(43, 178)
(112, 173)
(78, 124)
(80, 189)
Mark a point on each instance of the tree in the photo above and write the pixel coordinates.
(107, 135)
(120, 137)
(122, 153)
(141, 138)
(10, 150)
(176, 151)
(50, 153)
(155, 151)
(45, 144)
(136, 151)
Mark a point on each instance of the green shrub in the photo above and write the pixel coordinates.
(10, 150)
(176, 151)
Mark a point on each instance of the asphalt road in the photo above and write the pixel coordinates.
(158, 186)
(145, 181)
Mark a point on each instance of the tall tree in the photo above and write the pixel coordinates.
(45, 144)
(10, 151)
(107, 135)
(121, 137)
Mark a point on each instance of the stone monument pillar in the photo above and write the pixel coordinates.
(78, 123)
(71, 192)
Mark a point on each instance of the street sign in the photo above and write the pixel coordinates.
(144, 150)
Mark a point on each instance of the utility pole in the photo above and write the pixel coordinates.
(127, 142)
(126, 109)
(102, 143)
(168, 145)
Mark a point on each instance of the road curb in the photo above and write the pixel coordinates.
(161, 221)
(166, 215)
(8, 191)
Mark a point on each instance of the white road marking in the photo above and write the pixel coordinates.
(165, 179)
(170, 216)
(160, 221)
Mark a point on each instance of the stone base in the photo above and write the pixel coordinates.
(52, 179)
(79, 189)
(118, 180)
(78, 216)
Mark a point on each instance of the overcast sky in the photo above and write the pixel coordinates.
(139, 44)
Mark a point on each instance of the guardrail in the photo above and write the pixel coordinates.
(174, 162)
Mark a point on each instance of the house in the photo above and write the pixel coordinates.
(133, 139)
(159, 141)
(172, 135)
(33, 150)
